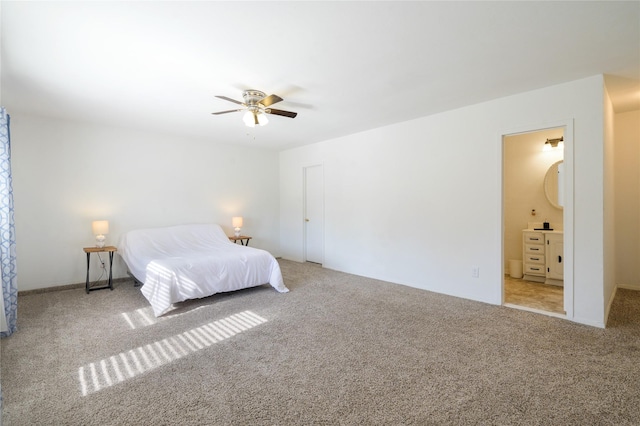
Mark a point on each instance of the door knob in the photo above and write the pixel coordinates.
(306, 220)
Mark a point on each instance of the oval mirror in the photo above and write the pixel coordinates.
(553, 185)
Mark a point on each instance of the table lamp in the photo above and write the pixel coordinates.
(100, 227)
(237, 224)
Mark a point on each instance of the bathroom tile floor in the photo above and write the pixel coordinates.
(544, 297)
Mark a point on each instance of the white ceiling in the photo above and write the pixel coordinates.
(344, 67)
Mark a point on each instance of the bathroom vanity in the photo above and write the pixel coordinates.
(543, 256)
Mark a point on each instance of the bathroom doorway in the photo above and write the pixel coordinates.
(533, 221)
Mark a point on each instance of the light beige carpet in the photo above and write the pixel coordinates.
(337, 349)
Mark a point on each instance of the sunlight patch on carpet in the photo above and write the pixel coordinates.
(144, 317)
(126, 365)
(139, 318)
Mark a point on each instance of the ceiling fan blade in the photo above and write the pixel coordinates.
(224, 112)
(229, 99)
(281, 112)
(270, 100)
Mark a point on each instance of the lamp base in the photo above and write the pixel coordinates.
(100, 241)
(237, 232)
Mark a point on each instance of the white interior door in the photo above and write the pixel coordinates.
(314, 214)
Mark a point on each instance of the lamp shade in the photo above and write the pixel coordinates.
(253, 117)
(262, 119)
(249, 119)
(237, 222)
(100, 227)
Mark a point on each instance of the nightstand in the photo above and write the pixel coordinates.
(244, 240)
(107, 249)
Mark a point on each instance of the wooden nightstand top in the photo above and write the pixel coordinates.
(99, 249)
(244, 240)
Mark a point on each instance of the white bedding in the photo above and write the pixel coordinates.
(193, 261)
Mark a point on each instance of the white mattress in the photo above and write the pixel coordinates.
(193, 261)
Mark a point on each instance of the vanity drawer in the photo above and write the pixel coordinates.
(534, 237)
(534, 258)
(534, 269)
(534, 248)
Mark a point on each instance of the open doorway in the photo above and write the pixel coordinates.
(533, 220)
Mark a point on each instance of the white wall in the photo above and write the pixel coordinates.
(627, 199)
(419, 203)
(609, 241)
(65, 175)
(525, 168)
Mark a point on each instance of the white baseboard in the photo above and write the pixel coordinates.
(609, 304)
(635, 287)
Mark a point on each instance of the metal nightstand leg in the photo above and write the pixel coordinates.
(88, 263)
(109, 285)
(110, 270)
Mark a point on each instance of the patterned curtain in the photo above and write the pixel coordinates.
(9, 306)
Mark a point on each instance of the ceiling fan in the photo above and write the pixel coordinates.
(256, 104)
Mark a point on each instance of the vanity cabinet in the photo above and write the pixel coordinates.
(543, 256)
(534, 260)
(554, 249)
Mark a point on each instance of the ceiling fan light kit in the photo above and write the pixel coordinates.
(252, 118)
(256, 104)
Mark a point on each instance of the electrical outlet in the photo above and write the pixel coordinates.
(102, 265)
(475, 272)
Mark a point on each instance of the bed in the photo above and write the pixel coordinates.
(184, 262)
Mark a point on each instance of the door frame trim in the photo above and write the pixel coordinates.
(568, 214)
